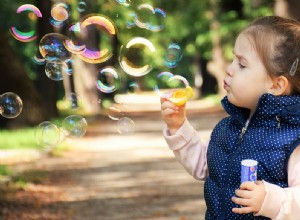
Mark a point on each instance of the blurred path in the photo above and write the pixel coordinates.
(108, 176)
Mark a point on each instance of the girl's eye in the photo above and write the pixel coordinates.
(241, 66)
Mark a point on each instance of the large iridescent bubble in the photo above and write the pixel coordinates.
(136, 56)
(75, 43)
(102, 52)
(26, 36)
(52, 48)
(11, 105)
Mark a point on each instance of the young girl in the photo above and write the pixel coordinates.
(263, 103)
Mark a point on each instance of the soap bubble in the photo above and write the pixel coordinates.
(162, 82)
(52, 48)
(10, 105)
(47, 134)
(107, 79)
(167, 83)
(60, 12)
(75, 43)
(103, 51)
(136, 56)
(178, 81)
(81, 7)
(125, 125)
(55, 70)
(117, 111)
(74, 126)
(172, 55)
(149, 17)
(26, 36)
(133, 87)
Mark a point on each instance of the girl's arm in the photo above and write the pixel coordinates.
(188, 150)
(284, 203)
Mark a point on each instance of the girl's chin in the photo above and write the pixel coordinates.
(232, 101)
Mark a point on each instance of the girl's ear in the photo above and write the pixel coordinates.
(281, 86)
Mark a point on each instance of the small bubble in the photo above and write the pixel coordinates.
(125, 125)
(74, 126)
(47, 134)
(11, 105)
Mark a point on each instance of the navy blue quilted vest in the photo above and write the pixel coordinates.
(271, 137)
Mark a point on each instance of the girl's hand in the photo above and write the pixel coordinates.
(173, 115)
(250, 196)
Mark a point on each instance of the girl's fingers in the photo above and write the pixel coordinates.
(163, 99)
(168, 105)
(242, 210)
(243, 193)
(247, 185)
(240, 201)
(169, 111)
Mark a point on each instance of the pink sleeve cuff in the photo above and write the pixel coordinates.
(182, 136)
(273, 200)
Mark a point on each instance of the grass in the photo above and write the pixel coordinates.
(4, 170)
(18, 139)
(24, 138)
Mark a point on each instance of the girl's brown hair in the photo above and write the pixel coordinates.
(277, 42)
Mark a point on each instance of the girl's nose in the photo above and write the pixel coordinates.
(229, 70)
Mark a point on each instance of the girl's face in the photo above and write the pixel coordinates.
(247, 78)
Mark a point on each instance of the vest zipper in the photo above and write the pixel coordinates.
(278, 121)
(244, 129)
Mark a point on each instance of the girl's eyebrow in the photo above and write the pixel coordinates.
(239, 56)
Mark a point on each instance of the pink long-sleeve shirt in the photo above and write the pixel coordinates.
(279, 203)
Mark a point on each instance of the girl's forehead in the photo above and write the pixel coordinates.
(246, 52)
(243, 46)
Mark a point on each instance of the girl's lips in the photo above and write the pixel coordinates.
(226, 86)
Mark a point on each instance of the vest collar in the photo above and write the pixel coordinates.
(271, 110)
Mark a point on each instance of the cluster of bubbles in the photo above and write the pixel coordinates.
(135, 56)
(47, 134)
(11, 105)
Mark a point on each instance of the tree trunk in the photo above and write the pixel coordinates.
(205, 83)
(85, 85)
(217, 65)
(13, 78)
(47, 88)
(287, 8)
